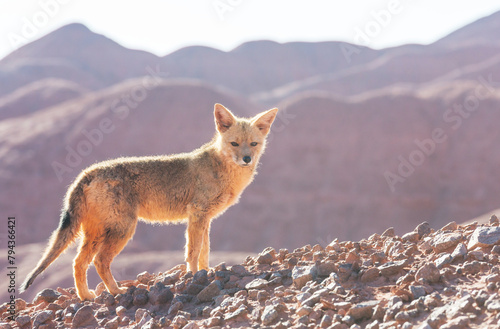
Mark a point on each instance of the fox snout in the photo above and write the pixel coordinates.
(247, 159)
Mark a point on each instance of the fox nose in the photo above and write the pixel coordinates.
(247, 159)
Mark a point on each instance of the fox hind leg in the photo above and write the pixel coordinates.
(86, 253)
(114, 242)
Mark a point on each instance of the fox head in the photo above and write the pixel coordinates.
(242, 140)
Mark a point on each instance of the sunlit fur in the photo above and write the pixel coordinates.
(106, 200)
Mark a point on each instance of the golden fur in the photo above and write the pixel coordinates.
(106, 200)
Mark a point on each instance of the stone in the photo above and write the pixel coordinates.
(84, 317)
(265, 258)
(392, 268)
(325, 268)
(363, 310)
(443, 260)
(209, 292)
(417, 291)
(493, 220)
(241, 311)
(43, 317)
(445, 241)
(459, 253)
(423, 229)
(484, 237)
(451, 226)
(389, 232)
(23, 320)
(160, 294)
(269, 315)
(370, 275)
(144, 277)
(257, 284)
(201, 278)
(428, 273)
(179, 322)
(302, 274)
(411, 237)
(140, 296)
(193, 289)
(46, 295)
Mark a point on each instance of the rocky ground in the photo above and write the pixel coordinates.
(447, 278)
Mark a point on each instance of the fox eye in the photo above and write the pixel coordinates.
(253, 144)
(235, 144)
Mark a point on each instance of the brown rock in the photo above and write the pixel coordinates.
(484, 237)
(451, 226)
(428, 273)
(423, 229)
(84, 317)
(370, 275)
(392, 268)
(363, 310)
(445, 241)
(389, 232)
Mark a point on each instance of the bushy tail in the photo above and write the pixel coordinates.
(59, 241)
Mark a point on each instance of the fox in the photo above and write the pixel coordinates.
(106, 200)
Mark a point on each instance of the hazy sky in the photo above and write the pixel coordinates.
(162, 26)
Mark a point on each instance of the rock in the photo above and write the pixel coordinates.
(423, 229)
(23, 320)
(389, 232)
(43, 317)
(451, 226)
(84, 317)
(445, 241)
(325, 268)
(190, 325)
(493, 220)
(46, 295)
(159, 294)
(140, 297)
(417, 291)
(484, 237)
(443, 260)
(362, 310)
(302, 274)
(428, 273)
(242, 311)
(179, 322)
(459, 253)
(201, 278)
(411, 237)
(194, 289)
(269, 315)
(209, 292)
(174, 308)
(265, 258)
(144, 277)
(392, 268)
(257, 284)
(370, 275)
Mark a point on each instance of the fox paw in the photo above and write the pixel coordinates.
(89, 295)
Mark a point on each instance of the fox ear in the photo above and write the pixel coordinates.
(264, 120)
(224, 119)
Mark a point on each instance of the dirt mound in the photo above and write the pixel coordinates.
(447, 278)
